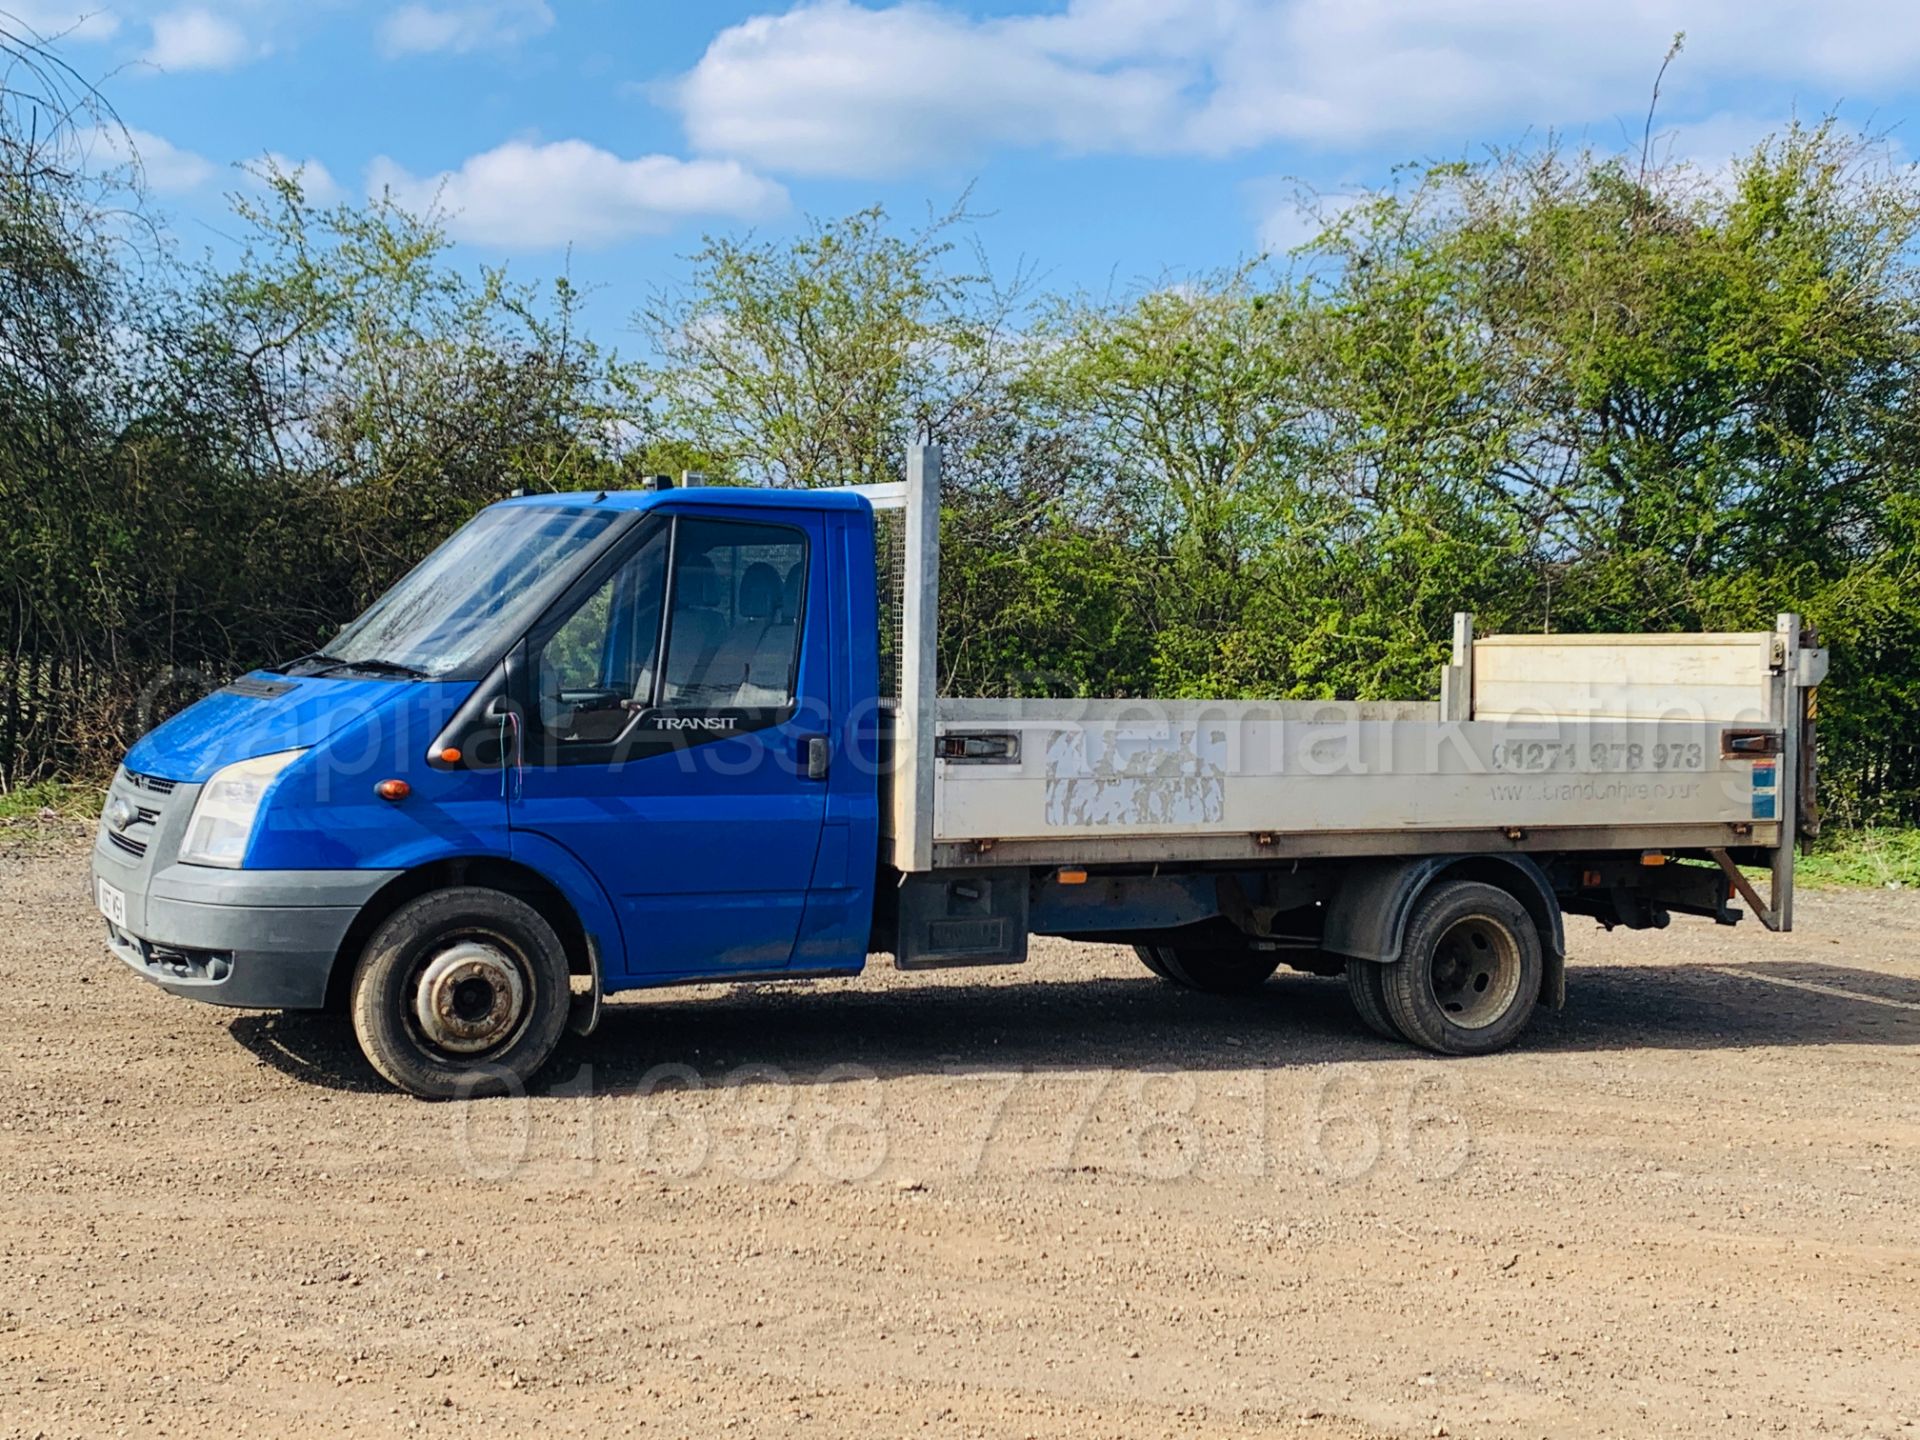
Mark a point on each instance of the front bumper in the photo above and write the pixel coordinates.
(248, 947)
(259, 939)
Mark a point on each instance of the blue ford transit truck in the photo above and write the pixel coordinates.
(601, 742)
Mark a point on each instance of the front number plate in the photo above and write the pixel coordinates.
(113, 903)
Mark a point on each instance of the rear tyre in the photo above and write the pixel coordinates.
(1469, 972)
(462, 992)
(1366, 988)
(1222, 971)
(1150, 957)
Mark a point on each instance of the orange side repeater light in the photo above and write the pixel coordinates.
(393, 789)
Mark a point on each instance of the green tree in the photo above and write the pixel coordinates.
(406, 388)
(818, 361)
(1689, 400)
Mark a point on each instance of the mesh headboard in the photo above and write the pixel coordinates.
(890, 564)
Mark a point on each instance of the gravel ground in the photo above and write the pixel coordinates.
(1062, 1200)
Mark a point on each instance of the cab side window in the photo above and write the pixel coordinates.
(733, 639)
(600, 663)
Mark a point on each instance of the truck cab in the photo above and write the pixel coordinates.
(592, 742)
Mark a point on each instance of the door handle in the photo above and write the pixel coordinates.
(819, 754)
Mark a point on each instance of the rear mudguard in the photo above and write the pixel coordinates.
(1367, 918)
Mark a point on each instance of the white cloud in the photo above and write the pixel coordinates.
(194, 38)
(317, 184)
(59, 22)
(528, 196)
(460, 28)
(1295, 220)
(832, 87)
(165, 167)
(1712, 153)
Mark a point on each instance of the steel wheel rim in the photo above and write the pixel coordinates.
(470, 996)
(1474, 972)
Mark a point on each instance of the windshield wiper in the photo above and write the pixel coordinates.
(313, 657)
(373, 667)
(320, 663)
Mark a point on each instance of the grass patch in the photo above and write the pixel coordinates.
(1873, 859)
(63, 799)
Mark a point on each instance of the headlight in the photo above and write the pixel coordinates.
(223, 816)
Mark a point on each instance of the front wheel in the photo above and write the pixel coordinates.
(1469, 970)
(462, 992)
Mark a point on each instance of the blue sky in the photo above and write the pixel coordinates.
(1108, 143)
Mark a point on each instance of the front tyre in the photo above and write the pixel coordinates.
(1469, 970)
(462, 992)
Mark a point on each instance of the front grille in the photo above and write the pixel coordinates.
(148, 798)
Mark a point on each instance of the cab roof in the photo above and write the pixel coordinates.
(742, 496)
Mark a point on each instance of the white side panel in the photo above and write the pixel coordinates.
(986, 714)
(1235, 775)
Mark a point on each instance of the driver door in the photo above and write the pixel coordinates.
(665, 744)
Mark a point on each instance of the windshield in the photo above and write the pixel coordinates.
(490, 578)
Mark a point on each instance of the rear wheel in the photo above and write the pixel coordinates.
(1150, 957)
(1366, 988)
(462, 992)
(1217, 971)
(1469, 973)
